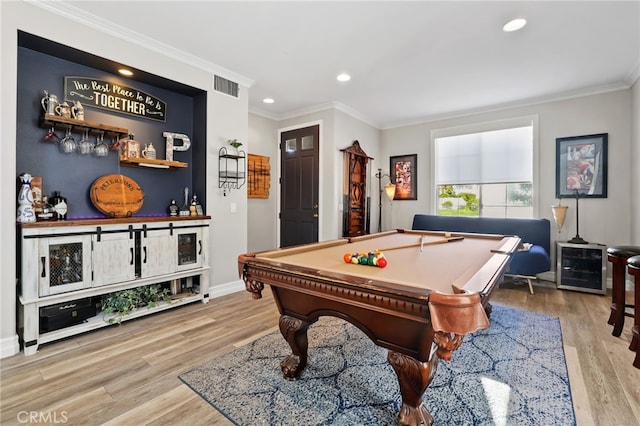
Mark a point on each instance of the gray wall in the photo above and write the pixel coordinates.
(635, 164)
(261, 213)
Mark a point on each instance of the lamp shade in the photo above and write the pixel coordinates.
(559, 215)
(390, 190)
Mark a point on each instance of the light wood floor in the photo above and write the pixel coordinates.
(127, 375)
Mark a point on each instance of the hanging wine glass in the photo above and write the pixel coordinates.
(101, 149)
(85, 146)
(52, 136)
(68, 145)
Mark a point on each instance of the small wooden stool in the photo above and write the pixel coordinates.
(618, 257)
(633, 266)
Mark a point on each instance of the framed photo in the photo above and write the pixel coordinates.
(404, 175)
(581, 165)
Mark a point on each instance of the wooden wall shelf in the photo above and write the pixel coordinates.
(157, 164)
(51, 120)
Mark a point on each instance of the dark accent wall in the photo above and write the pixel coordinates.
(73, 174)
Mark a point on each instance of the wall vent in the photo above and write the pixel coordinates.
(225, 86)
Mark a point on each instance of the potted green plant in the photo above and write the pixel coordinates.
(123, 302)
(235, 144)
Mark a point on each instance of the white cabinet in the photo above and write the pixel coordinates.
(74, 263)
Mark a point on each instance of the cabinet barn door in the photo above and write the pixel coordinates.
(113, 258)
(64, 264)
(157, 253)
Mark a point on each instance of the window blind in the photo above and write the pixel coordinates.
(498, 156)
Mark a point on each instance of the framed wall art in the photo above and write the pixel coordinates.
(404, 175)
(581, 166)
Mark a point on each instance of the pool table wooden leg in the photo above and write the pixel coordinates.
(294, 332)
(414, 377)
(488, 309)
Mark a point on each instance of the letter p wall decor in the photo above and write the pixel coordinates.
(170, 146)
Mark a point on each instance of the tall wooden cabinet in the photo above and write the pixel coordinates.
(356, 203)
(76, 262)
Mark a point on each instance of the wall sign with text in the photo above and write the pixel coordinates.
(111, 96)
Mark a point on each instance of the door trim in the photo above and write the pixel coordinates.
(320, 176)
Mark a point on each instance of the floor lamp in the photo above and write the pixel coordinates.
(577, 239)
(389, 189)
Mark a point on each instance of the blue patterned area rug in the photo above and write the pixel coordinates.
(513, 373)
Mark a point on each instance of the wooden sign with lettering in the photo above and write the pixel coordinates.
(96, 93)
(116, 195)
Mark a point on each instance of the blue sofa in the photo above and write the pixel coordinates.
(524, 263)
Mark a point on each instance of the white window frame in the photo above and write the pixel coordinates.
(529, 120)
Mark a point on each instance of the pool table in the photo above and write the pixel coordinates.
(434, 290)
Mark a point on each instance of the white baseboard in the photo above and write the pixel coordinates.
(9, 346)
(226, 288)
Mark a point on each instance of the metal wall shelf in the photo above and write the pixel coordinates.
(231, 169)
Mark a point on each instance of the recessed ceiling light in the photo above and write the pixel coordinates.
(514, 25)
(268, 101)
(125, 71)
(343, 77)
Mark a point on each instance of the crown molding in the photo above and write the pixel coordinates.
(556, 97)
(263, 113)
(130, 36)
(562, 96)
(339, 106)
(633, 75)
(356, 114)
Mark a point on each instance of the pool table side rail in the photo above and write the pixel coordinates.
(272, 273)
(490, 275)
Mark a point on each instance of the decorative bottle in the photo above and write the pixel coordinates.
(45, 211)
(60, 206)
(129, 148)
(25, 201)
(193, 211)
(195, 202)
(185, 210)
(173, 208)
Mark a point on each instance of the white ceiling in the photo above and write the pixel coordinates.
(409, 61)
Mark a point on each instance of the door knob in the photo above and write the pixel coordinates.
(315, 206)
(315, 215)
